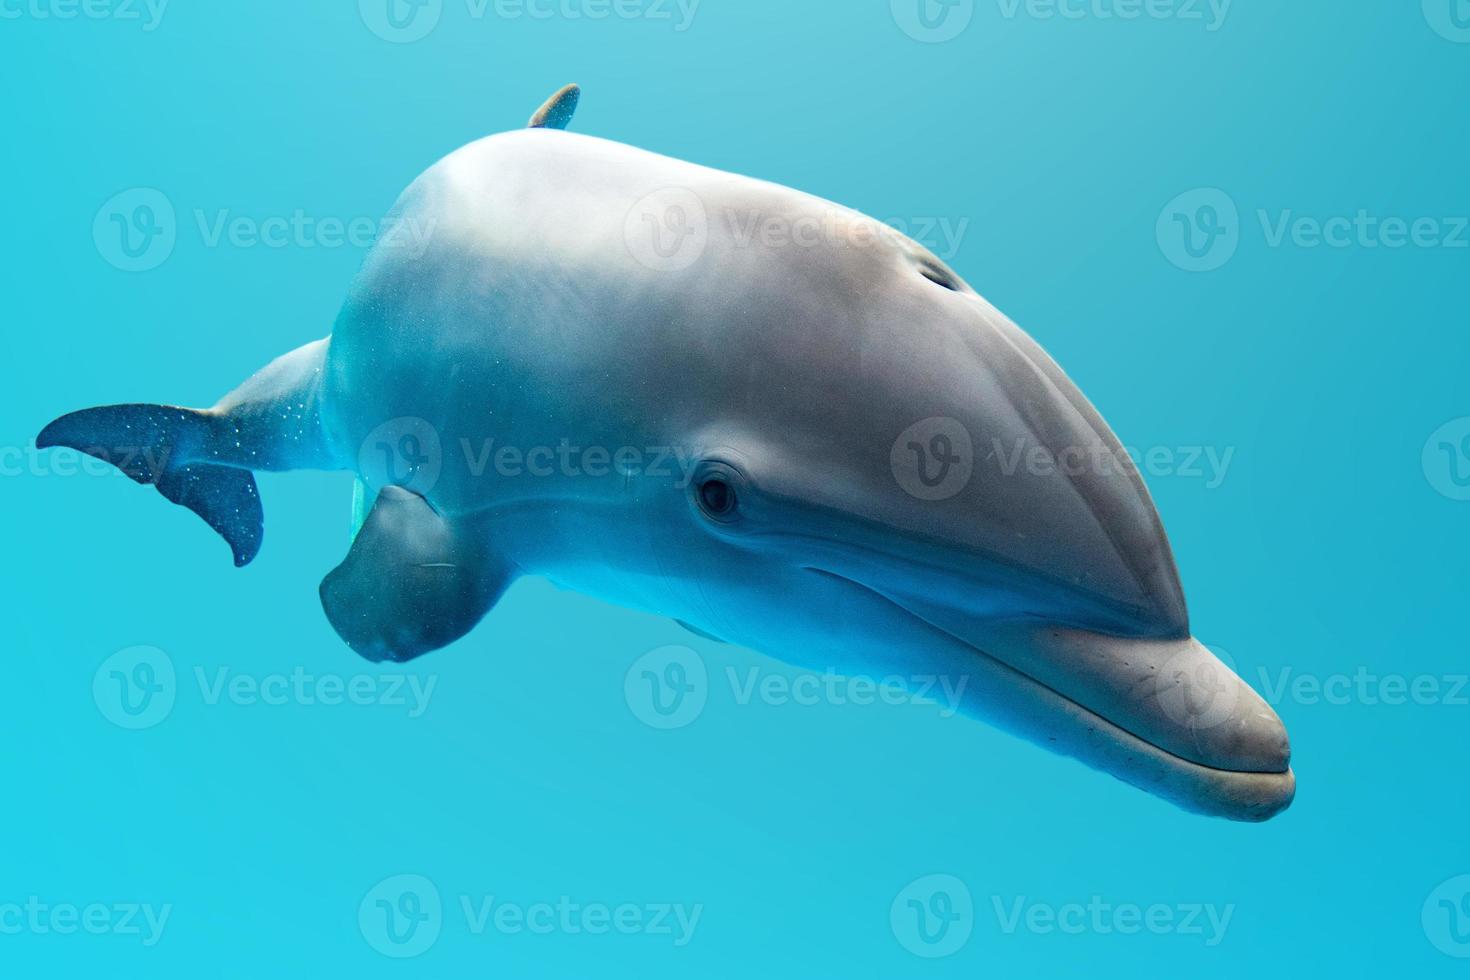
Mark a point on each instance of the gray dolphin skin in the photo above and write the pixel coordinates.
(744, 408)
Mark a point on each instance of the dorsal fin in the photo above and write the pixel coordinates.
(557, 111)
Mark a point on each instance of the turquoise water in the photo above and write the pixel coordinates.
(1241, 229)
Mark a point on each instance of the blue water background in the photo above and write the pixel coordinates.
(1333, 543)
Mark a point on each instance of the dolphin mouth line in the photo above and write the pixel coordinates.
(1121, 612)
(1173, 759)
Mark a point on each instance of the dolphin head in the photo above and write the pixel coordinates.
(918, 489)
(880, 475)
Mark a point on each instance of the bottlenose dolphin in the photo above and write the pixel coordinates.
(739, 406)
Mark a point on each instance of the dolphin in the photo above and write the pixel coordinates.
(739, 406)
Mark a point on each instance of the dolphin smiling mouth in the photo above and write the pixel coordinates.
(1164, 715)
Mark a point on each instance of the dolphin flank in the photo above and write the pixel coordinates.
(739, 406)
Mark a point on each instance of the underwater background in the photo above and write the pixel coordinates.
(1240, 227)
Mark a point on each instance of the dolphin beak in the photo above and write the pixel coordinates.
(1175, 718)
(1172, 693)
(1212, 745)
(1165, 714)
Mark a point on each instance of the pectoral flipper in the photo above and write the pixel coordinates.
(412, 582)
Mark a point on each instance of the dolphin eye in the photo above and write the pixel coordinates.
(716, 490)
(717, 497)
